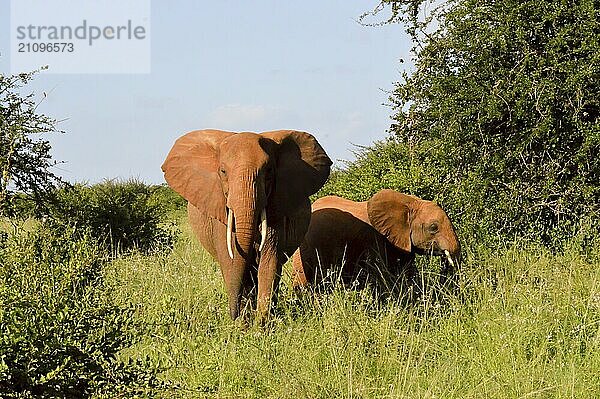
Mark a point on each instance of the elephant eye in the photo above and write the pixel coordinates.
(222, 171)
(433, 228)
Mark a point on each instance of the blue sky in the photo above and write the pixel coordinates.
(231, 65)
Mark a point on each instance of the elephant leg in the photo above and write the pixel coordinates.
(269, 273)
(249, 289)
(297, 247)
(300, 275)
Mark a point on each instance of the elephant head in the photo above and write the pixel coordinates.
(249, 182)
(415, 225)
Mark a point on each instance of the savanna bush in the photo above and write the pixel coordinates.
(60, 332)
(26, 164)
(121, 215)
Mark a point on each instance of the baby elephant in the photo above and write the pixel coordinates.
(391, 226)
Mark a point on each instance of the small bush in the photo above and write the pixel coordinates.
(120, 215)
(60, 331)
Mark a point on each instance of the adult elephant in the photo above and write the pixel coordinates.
(390, 226)
(248, 202)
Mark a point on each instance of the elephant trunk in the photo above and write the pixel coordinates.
(242, 227)
(244, 235)
(242, 242)
(244, 205)
(245, 232)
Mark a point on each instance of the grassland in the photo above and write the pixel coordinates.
(524, 325)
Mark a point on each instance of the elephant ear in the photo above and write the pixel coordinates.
(389, 213)
(301, 170)
(191, 169)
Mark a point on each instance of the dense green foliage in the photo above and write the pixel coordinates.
(120, 215)
(25, 159)
(498, 120)
(60, 331)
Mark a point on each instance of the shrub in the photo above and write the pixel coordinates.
(25, 159)
(120, 215)
(60, 331)
(168, 200)
(383, 165)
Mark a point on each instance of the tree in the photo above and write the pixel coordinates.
(25, 160)
(499, 118)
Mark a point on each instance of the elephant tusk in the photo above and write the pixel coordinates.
(229, 231)
(449, 257)
(263, 229)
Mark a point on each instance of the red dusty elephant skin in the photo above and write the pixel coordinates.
(396, 226)
(248, 202)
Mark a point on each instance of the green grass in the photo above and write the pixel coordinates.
(525, 325)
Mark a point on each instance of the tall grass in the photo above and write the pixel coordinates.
(525, 323)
